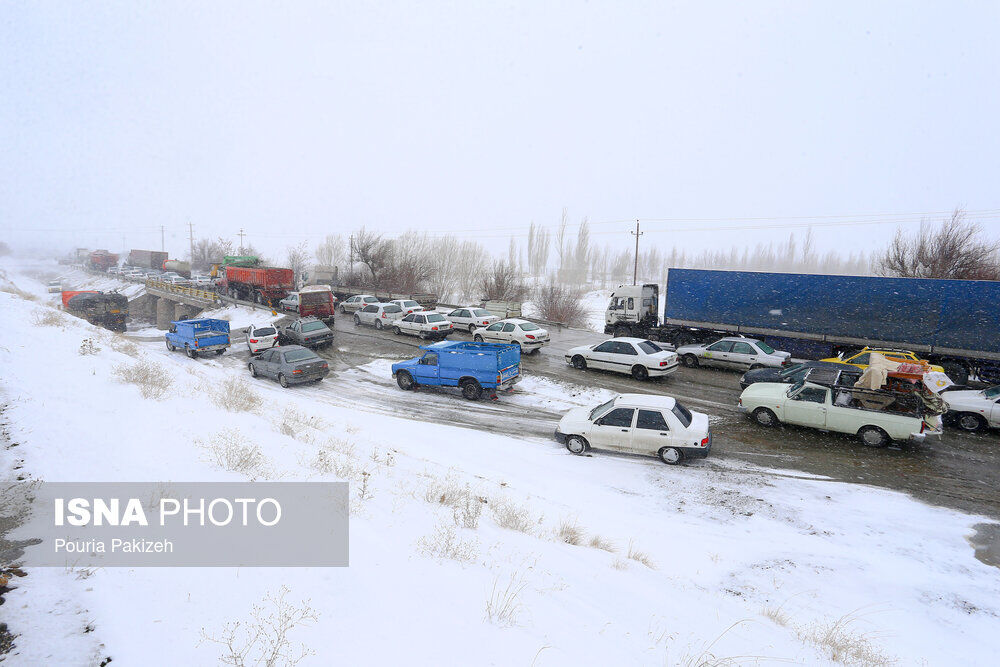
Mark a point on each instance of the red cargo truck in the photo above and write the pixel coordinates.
(264, 284)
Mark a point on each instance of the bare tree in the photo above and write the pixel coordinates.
(207, 252)
(371, 250)
(502, 283)
(332, 251)
(560, 303)
(298, 258)
(955, 250)
(538, 249)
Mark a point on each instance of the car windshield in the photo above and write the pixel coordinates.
(764, 347)
(479, 312)
(299, 355)
(410, 304)
(528, 326)
(682, 413)
(264, 331)
(992, 392)
(435, 318)
(649, 347)
(600, 409)
(393, 309)
(792, 370)
(313, 326)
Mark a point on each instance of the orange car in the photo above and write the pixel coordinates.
(860, 359)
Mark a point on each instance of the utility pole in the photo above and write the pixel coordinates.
(191, 238)
(635, 267)
(241, 240)
(161, 237)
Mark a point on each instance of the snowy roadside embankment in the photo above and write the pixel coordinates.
(468, 547)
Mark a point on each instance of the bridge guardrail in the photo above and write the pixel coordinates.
(193, 292)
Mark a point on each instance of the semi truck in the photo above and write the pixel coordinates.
(104, 309)
(147, 259)
(263, 284)
(953, 323)
(177, 266)
(102, 260)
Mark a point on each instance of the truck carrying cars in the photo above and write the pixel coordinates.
(473, 367)
(311, 301)
(197, 336)
(261, 284)
(947, 322)
(178, 267)
(147, 259)
(104, 309)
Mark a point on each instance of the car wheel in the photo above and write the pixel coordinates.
(357, 321)
(579, 362)
(396, 331)
(873, 436)
(423, 335)
(690, 361)
(764, 417)
(282, 380)
(472, 390)
(670, 455)
(478, 339)
(577, 445)
(520, 349)
(191, 353)
(171, 346)
(342, 311)
(472, 328)
(219, 352)
(640, 373)
(253, 370)
(378, 325)
(405, 381)
(970, 422)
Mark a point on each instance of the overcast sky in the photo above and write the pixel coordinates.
(293, 120)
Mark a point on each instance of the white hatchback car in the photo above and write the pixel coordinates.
(408, 305)
(638, 357)
(638, 424)
(973, 409)
(260, 338)
(378, 315)
(356, 303)
(527, 334)
(425, 325)
(735, 353)
(472, 318)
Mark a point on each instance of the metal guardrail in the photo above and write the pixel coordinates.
(192, 292)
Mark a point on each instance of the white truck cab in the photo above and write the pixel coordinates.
(632, 307)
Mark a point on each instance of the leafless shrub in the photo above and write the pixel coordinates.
(512, 516)
(502, 283)
(560, 303)
(263, 639)
(844, 643)
(445, 542)
(570, 532)
(229, 449)
(640, 556)
(294, 422)
(48, 318)
(152, 380)
(620, 564)
(465, 505)
(89, 347)
(18, 292)
(504, 603)
(775, 614)
(598, 542)
(236, 395)
(467, 513)
(955, 250)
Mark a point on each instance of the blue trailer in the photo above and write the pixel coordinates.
(473, 367)
(954, 323)
(197, 336)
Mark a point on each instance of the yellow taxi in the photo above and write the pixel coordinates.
(860, 359)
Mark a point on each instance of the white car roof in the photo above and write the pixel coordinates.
(516, 320)
(646, 401)
(626, 339)
(738, 339)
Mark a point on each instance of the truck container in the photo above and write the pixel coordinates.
(473, 367)
(147, 259)
(263, 285)
(953, 323)
(104, 309)
(198, 336)
(178, 267)
(102, 260)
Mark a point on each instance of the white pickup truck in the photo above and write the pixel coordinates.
(830, 409)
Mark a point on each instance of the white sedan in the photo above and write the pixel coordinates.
(973, 409)
(260, 338)
(356, 303)
(640, 358)
(408, 305)
(638, 424)
(378, 315)
(735, 353)
(527, 334)
(472, 318)
(425, 325)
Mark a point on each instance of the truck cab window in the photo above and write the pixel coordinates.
(631, 303)
(429, 359)
(811, 395)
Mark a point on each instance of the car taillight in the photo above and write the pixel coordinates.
(923, 425)
(326, 365)
(383, 314)
(664, 363)
(434, 328)
(296, 371)
(253, 340)
(529, 336)
(704, 441)
(739, 402)
(197, 343)
(498, 378)
(485, 323)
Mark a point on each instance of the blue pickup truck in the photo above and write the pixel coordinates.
(474, 367)
(196, 336)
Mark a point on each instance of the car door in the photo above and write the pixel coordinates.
(624, 357)
(602, 356)
(651, 432)
(994, 417)
(808, 407)
(508, 334)
(492, 333)
(367, 314)
(265, 362)
(717, 354)
(427, 369)
(613, 430)
(742, 356)
(417, 321)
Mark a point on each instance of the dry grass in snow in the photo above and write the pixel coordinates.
(151, 378)
(570, 532)
(236, 395)
(445, 542)
(230, 450)
(504, 603)
(512, 516)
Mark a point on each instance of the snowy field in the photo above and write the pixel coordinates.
(467, 547)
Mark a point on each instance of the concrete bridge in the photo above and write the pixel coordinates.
(164, 302)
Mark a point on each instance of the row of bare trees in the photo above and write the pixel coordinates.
(956, 249)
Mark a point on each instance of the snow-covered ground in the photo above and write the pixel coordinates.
(612, 560)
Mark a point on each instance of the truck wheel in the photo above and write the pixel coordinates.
(378, 325)
(357, 321)
(670, 455)
(970, 422)
(253, 369)
(260, 299)
(472, 391)
(640, 373)
(764, 417)
(873, 436)
(219, 352)
(577, 445)
(478, 339)
(282, 380)
(958, 373)
(579, 362)
(396, 331)
(622, 332)
(405, 381)
(171, 346)
(191, 353)
(690, 361)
